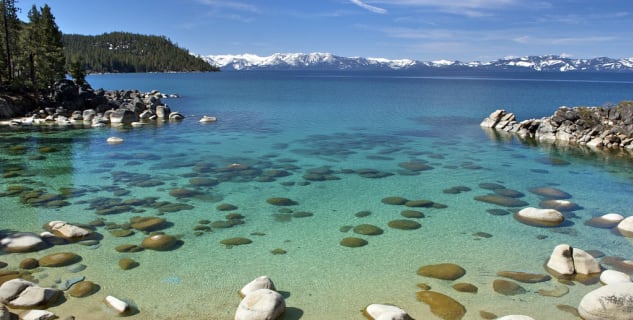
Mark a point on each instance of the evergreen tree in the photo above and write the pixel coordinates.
(77, 71)
(50, 60)
(9, 38)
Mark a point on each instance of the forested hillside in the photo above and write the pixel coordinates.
(128, 52)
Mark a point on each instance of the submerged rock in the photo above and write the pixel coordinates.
(160, 242)
(444, 271)
(60, 259)
(442, 305)
(22, 242)
(507, 288)
(353, 242)
(540, 217)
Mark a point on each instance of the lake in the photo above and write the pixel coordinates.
(341, 147)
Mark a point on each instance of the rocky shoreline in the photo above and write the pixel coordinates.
(608, 128)
(71, 104)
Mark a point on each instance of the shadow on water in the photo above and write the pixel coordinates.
(293, 313)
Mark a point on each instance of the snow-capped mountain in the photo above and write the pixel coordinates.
(328, 61)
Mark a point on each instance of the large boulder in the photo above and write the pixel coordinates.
(123, 116)
(262, 304)
(263, 282)
(163, 111)
(584, 263)
(614, 276)
(625, 227)
(561, 260)
(22, 242)
(385, 312)
(566, 260)
(611, 302)
(540, 217)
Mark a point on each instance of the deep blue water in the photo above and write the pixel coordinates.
(336, 143)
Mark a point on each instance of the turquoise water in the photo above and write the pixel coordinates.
(357, 132)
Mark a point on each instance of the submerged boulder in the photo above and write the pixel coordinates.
(22, 242)
(540, 217)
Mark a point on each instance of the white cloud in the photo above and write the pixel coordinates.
(563, 41)
(232, 5)
(367, 7)
(469, 8)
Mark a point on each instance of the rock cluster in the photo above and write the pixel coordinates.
(566, 260)
(596, 127)
(73, 104)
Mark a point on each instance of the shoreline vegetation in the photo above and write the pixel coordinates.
(35, 59)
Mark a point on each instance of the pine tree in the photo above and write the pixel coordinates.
(77, 71)
(9, 36)
(50, 60)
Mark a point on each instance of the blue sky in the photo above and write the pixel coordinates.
(465, 30)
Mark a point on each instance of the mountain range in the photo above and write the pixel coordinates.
(327, 62)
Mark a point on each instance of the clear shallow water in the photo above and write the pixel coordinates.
(344, 122)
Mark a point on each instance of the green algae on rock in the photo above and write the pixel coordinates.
(412, 214)
(442, 305)
(226, 207)
(507, 288)
(60, 259)
(368, 230)
(353, 242)
(237, 241)
(465, 287)
(444, 271)
(394, 200)
(404, 224)
(127, 264)
(160, 242)
(83, 289)
(279, 201)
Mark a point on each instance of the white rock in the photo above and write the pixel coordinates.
(137, 124)
(67, 230)
(22, 242)
(585, 263)
(38, 315)
(262, 304)
(541, 217)
(560, 260)
(386, 312)
(515, 317)
(626, 227)
(613, 276)
(34, 297)
(207, 119)
(12, 289)
(114, 140)
(263, 282)
(613, 217)
(611, 302)
(116, 304)
(608, 220)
